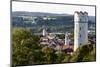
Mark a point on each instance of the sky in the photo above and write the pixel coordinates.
(51, 8)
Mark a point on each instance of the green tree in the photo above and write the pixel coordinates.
(84, 53)
(60, 56)
(48, 54)
(24, 46)
(91, 56)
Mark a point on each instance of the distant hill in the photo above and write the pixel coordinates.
(92, 18)
(23, 13)
(62, 22)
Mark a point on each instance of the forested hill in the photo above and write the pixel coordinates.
(53, 21)
(23, 13)
(42, 14)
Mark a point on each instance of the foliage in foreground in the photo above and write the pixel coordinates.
(26, 51)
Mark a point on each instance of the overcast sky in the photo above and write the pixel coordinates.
(51, 8)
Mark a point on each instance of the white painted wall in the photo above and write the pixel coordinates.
(44, 32)
(80, 29)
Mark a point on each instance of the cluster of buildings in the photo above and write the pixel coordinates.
(53, 41)
(66, 44)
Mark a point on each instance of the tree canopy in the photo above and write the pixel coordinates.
(26, 51)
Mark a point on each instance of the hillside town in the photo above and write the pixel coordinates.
(51, 40)
(52, 33)
(67, 44)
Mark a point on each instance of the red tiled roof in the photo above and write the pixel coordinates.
(68, 46)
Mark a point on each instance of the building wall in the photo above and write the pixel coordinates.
(44, 32)
(80, 29)
(66, 39)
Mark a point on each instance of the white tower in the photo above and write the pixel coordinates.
(80, 29)
(44, 32)
(66, 39)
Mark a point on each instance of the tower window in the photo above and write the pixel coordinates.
(80, 28)
(80, 35)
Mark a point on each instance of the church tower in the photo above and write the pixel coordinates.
(44, 32)
(66, 39)
(80, 29)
